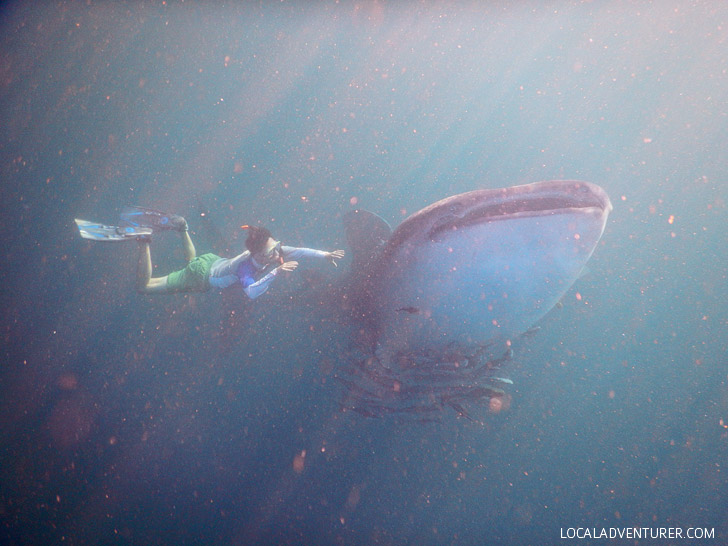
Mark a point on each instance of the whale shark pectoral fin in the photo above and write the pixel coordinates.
(366, 234)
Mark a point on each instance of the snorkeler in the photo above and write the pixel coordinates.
(255, 269)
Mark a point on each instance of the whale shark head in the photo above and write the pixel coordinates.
(443, 296)
(482, 266)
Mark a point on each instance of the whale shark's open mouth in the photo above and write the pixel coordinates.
(480, 206)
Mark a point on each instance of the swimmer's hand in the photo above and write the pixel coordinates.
(288, 266)
(335, 255)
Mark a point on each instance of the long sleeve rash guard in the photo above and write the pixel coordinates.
(244, 269)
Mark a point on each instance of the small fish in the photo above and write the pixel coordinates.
(410, 310)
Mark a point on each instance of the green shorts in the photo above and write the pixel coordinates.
(193, 278)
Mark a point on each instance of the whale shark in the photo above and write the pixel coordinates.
(442, 298)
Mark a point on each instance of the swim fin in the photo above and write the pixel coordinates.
(110, 234)
(157, 220)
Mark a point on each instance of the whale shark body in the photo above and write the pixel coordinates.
(443, 297)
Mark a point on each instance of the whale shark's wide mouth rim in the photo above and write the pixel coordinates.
(491, 205)
(538, 199)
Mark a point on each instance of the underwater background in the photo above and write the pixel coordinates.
(208, 419)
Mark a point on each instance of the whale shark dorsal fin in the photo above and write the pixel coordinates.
(366, 234)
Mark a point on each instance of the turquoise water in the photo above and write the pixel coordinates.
(207, 419)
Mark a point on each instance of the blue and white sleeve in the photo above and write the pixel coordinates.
(294, 253)
(259, 287)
